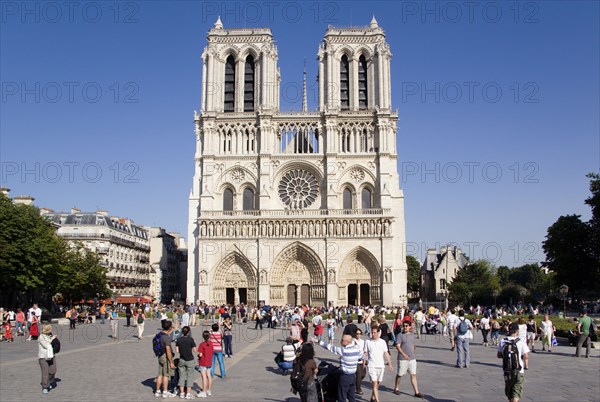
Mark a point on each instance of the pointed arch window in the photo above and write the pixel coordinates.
(228, 200)
(347, 198)
(362, 83)
(248, 199)
(229, 103)
(249, 84)
(367, 198)
(344, 83)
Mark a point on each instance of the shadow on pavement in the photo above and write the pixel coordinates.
(150, 382)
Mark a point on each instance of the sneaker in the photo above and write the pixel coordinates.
(208, 393)
(182, 395)
(201, 394)
(189, 396)
(157, 394)
(168, 395)
(44, 391)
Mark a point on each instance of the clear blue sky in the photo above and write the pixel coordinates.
(498, 105)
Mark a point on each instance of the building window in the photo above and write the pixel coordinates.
(347, 198)
(227, 200)
(442, 284)
(229, 85)
(248, 199)
(249, 84)
(362, 82)
(367, 198)
(345, 83)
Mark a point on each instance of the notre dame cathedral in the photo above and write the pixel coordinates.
(296, 207)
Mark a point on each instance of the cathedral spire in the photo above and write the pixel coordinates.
(218, 24)
(304, 101)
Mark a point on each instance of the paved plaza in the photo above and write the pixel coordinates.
(92, 367)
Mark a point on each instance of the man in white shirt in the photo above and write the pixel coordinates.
(419, 317)
(35, 310)
(514, 379)
(376, 354)
(317, 320)
(462, 341)
(452, 324)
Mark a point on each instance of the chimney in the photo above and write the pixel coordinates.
(24, 199)
(5, 190)
(102, 212)
(44, 211)
(75, 210)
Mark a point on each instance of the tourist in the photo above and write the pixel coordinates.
(46, 358)
(531, 332)
(331, 326)
(114, 324)
(128, 314)
(317, 322)
(419, 318)
(216, 337)
(140, 318)
(376, 353)
(102, 312)
(484, 326)
(386, 334)
(34, 330)
(306, 360)
(33, 313)
(349, 354)
(514, 379)
(548, 330)
(360, 368)
(72, 315)
(405, 345)
(296, 331)
(258, 318)
(463, 336)
(583, 328)
(369, 320)
(288, 352)
(453, 322)
(495, 325)
(205, 358)
(522, 329)
(350, 328)
(166, 363)
(228, 335)
(186, 347)
(20, 320)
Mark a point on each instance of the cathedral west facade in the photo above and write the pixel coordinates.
(296, 207)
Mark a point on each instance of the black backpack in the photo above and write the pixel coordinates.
(55, 345)
(296, 379)
(510, 358)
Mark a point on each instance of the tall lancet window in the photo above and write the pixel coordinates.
(227, 200)
(345, 83)
(249, 84)
(229, 103)
(362, 83)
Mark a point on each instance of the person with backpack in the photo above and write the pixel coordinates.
(47, 359)
(161, 344)
(304, 370)
(514, 353)
(140, 319)
(463, 338)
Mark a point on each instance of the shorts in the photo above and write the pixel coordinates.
(376, 373)
(531, 336)
(513, 388)
(407, 365)
(204, 369)
(164, 368)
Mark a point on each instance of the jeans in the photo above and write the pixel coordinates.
(218, 356)
(346, 388)
(19, 328)
(102, 317)
(285, 366)
(462, 349)
(227, 340)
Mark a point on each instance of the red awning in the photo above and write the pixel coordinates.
(133, 299)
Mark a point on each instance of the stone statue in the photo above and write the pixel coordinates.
(203, 277)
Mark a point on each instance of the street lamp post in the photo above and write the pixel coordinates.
(564, 290)
(470, 294)
(495, 294)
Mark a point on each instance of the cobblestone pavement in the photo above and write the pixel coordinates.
(92, 367)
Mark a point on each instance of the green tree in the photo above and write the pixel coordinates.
(568, 254)
(475, 283)
(503, 274)
(30, 252)
(413, 274)
(81, 275)
(594, 224)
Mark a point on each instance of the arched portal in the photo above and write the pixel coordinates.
(234, 280)
(297, 277)
(360, 278)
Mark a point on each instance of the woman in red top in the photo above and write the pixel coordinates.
(205, 356)
(34, 330)
(20, 322)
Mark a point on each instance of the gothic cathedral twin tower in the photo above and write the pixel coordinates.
(296, 207)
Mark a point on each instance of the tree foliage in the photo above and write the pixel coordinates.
(474, 283)
(34, 260)
(413, 274)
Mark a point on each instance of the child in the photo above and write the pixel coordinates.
(205, 355)
(8, 332)
(34, 330)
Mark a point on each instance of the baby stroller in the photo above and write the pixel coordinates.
(328, 379)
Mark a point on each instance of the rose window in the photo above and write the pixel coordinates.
(298, 189)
